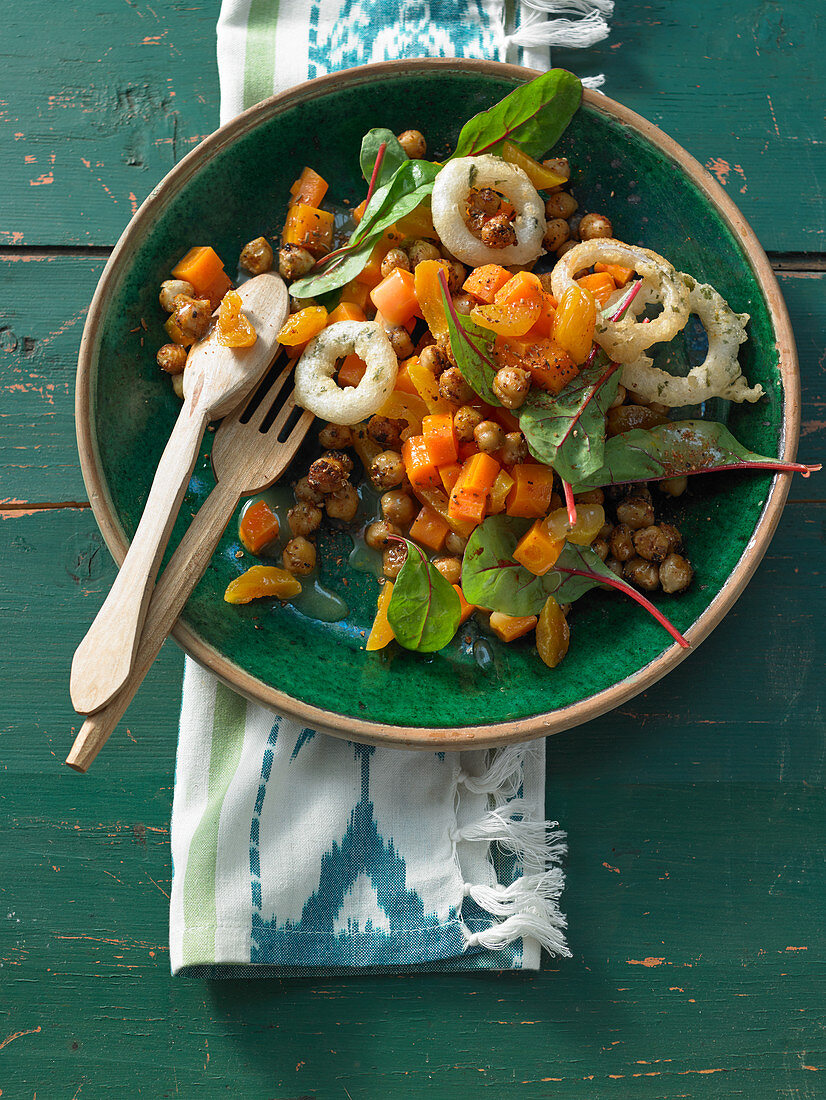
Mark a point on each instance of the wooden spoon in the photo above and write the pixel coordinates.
(216, 380)
(245, 459)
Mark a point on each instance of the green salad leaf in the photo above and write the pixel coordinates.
(394, 155)
(490, 576)
(676, 449)
(471, 346)
(534, 115)
(424, 610)
(571, 587)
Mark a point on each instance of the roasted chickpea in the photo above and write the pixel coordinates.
(622, 393)
(483, 200)
(595, 225)
(463, 303)
(498, 232)
(192, 316)
(170, 289)
(400, 341)
(434, 359)
(178, 386)
(299, 556)
(172, 358)
(328, 473)
(304, 517)
(489, 436)
(394, 258)
(561, 205)
(398, 508)
(675, 573)
(294, 261)
(456, 275)
(621, 543)
(386, 470)
(560, 165)
(600, 547)
(413, 143)
(450, 568)
(303, 490)
(455, 544)
(511, 385)
(673, 535)
(465, 421)
(443, 344)
(651, 544)
(453, 387)
(422, 250)
(593, 496)
(256, 256)
(556, 234)
(566, 247)
(644, 574)
(377, 535)
(386, 430)
(335, 437)
(514, 449)
(392, 560)
(673, 486)
(342, 504)
(636, 512)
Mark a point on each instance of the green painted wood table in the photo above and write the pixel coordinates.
(696, 877)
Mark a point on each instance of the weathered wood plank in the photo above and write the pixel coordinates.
(104, 108)
(696, 824)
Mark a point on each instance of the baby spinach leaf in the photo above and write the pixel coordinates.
(424, 610)
(471, 346)
(490, 576)
(677, 449)
(394, 154)
(567, 430)
(534, 115)
(410, 184)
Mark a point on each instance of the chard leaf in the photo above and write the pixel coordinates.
(394, 155)
(424, 610)
(677, 449)
(409, 185)
(570, 588)
(471, 346)
(534, 115)
(490, 576)
(567, 431)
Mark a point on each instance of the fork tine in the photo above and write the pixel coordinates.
(268, 399)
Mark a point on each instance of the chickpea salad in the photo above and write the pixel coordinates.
(477, 347)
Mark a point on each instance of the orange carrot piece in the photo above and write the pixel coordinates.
(467, 608)
(530, 496)
(504, 418)
(351, 371)
(450, 474)
(370, 274)
(483, 282)
(544, 325)
(620, 275)
(346, 311)
(537, 550)
(309, 189)
(310, 228)
(469, 496)
(440, 437)
(259, 526)
(600, 284)
(511, 627)
(395, 297)
(551, 367)
(202, 267)
(429, 529)
(467, 449)
(419, 465)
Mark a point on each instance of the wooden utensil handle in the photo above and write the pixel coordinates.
(186, 567)
(103, 659)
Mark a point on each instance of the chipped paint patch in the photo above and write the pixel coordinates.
(650, 960)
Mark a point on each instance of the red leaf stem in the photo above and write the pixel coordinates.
(569, 502)
(621, 586)
(635, 291)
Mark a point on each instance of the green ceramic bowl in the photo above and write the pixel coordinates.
(232, 188)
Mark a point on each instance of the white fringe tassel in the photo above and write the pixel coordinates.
(529, 906)
(544, 24)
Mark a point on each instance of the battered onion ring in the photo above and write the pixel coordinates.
(449, 205)
(627, 339)
(315, 388)
(719, 375)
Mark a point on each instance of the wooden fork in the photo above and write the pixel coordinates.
(245, 460)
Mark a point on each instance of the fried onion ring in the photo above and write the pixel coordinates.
(315, 387)
(719, 375)
(449, 203)
(625, 340)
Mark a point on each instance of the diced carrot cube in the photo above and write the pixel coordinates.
(310, 228)
(511, 627)
(403, 380)
(467, 505)
(504, 418)
(440, 437)
(429, 529)
(381, 632)
(537, 550)
(467, 449)
(418, 464)
(259, 526)
(395, 297)
(469, 496)
(309, 189)
(530, 496)
(551, 367)
(450, 474)
(620, 275)
(202, 268)
(600, 284)
(467, 608)
(483, 282)
(351, 371)
(544, 324)
(346, 311)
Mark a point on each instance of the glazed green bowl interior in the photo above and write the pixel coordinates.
(240, 192)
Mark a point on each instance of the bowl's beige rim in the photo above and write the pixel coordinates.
(480, 736)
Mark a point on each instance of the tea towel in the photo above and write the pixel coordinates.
(294, 851)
